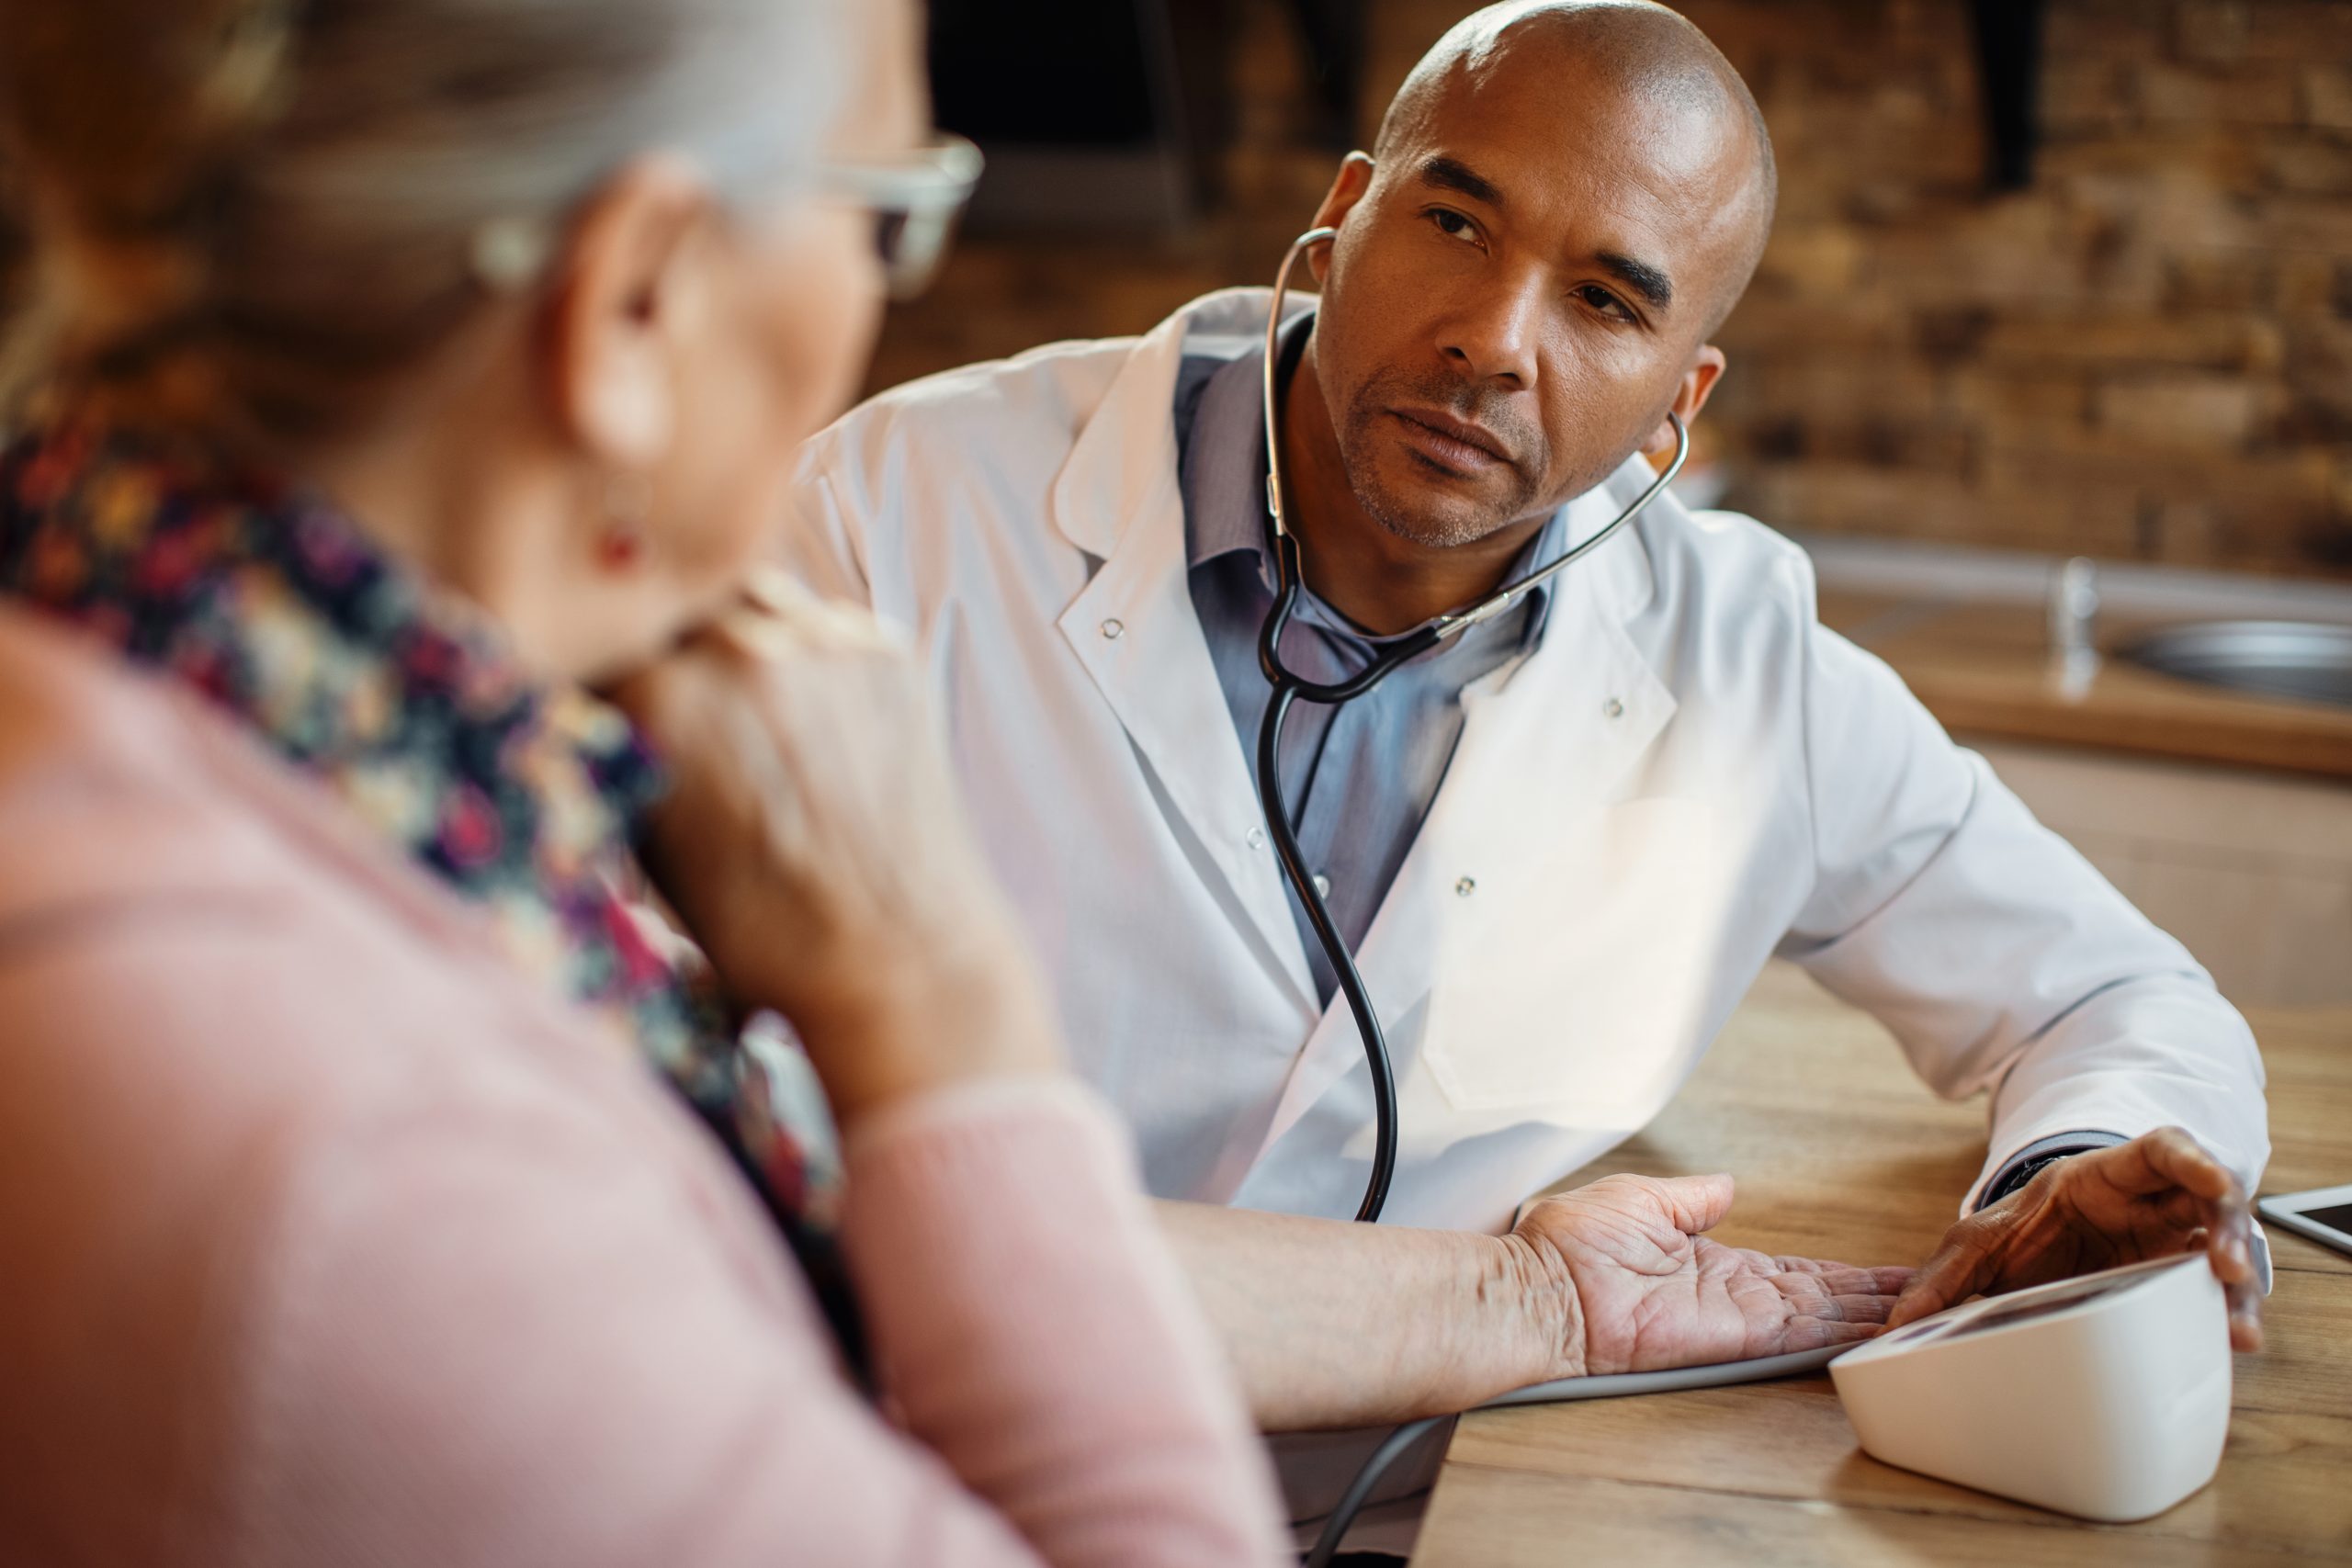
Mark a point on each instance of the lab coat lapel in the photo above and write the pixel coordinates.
(1134, 630)
(1542, 742)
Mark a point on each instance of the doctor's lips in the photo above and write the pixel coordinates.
(1449, 443)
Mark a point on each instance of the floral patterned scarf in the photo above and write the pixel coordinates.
(405, 704)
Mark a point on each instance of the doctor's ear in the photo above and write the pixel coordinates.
(1353, 179)
(1698, 383)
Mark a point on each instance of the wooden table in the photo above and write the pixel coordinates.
(1841, 1152)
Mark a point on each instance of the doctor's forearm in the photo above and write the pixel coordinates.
(1334, 1324)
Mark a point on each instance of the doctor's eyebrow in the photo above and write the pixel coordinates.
(1643, 278)
(1650, 282)
(1451, 173)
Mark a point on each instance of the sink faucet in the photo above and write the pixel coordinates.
(2073, 625)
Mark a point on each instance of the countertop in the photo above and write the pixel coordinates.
(1984, 670)
(1841, 1152)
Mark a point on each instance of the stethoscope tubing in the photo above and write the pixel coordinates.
(1289, 688)
(1318, 915)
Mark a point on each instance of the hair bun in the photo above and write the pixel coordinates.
(118, 189)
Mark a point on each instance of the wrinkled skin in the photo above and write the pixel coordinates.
(1655, 1293)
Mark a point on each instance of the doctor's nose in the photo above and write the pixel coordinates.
(1493, 337)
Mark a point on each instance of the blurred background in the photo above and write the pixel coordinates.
(2072, 278)
(2053, 280)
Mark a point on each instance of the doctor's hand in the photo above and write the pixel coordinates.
(1653, 1292)
(2159, 1194)
(814, 846)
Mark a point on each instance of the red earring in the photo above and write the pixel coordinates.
(621, 542)
(619, 549)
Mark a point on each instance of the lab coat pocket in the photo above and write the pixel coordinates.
(1577, 990)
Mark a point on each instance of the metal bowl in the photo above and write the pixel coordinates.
(2309, 659)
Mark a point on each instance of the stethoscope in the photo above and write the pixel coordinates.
(1289, 688)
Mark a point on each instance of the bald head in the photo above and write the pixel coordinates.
(1647, 53)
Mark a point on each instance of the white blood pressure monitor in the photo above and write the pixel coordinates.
(2106, 1397)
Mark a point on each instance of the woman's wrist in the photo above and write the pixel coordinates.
(1499, 1321)
(934, 1018)
(1541, 1317)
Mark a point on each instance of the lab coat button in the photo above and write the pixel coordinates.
(1322, 885)
(1257, 840)
(1466, 887)
(1114, 629)
(1613, 708)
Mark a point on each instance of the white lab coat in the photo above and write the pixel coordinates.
(1689, 775)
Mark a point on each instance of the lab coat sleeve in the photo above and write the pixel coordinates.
(1998, 957)
(823, 543)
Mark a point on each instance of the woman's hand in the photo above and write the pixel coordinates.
(1649, 1290)
(2159, 1194)
(815, 848)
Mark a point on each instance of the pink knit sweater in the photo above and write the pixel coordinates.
(327, 1239)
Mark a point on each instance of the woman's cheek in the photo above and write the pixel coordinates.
(829, 323)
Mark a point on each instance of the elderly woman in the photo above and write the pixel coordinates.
(379, 1183)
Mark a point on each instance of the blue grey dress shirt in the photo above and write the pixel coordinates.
(1359, 778)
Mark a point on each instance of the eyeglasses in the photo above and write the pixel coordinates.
(915, 199)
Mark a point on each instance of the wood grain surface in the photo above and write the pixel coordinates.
(1841, 1152)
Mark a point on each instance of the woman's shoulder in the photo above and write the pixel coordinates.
(257, 1093)
(109, 789)
(126, 792)
(165, 873)
(210, 971)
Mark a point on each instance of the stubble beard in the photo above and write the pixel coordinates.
(1449, 529)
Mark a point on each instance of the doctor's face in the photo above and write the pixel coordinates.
(1520, 290)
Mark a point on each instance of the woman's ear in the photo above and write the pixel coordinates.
(1697, 385)
(1353, 179)
(618, 324)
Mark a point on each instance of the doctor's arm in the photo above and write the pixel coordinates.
(2005, 964)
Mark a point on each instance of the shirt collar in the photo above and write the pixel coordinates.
(1224, 461)
(1221, 458)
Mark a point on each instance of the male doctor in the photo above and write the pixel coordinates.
(1562, 845)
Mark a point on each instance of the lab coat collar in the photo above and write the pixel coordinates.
(1127, 452)
(1133, 628)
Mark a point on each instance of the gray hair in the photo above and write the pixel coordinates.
(266, 209)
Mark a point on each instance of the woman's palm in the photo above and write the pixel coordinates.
(1655, 1293)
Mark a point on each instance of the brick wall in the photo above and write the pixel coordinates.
(2148, 354)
